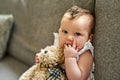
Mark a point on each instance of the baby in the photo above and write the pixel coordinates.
(74, 32)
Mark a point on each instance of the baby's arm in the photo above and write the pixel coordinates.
(85, 63)
(77, 70)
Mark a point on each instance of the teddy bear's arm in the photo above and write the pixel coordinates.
(29, 73)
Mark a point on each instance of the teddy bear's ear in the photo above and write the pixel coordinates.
(41, 50)
(56, 39)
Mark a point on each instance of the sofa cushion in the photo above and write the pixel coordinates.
(11, 69)
(5, 28)
(107, 40)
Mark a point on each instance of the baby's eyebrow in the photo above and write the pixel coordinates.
(77, 32)
(62, 29)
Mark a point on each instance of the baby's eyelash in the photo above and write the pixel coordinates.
(77, 34)
(64, 31)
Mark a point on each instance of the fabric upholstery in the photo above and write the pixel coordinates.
(11, 69)
(107, 40)
(6, 22)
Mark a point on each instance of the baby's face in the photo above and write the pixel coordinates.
(77, 30)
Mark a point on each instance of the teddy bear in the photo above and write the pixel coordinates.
(51, 66)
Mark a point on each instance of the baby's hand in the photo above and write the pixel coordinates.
(37, 59)
(70, 51)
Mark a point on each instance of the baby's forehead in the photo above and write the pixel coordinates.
(83, 19)
(83, 16)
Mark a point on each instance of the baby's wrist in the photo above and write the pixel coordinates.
(70, 61)
(71, 58)
(74, 55)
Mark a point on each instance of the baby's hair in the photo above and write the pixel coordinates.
(76, 11)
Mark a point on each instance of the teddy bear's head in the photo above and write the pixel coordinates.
(51, 56)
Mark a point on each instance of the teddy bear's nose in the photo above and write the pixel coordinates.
(45, 52)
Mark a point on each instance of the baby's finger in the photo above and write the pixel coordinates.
(74, 43)
(65, 46)
(77, 48)
(69, 45)
(36, 54)
(37, 60)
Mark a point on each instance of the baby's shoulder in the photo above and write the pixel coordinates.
(86, 56)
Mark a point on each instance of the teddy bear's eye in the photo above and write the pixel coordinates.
(45, 52)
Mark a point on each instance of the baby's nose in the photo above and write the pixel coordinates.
(70, 38)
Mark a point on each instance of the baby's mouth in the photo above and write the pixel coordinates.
(68, 44)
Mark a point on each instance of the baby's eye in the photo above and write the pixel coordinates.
(77, 34)
(64, 31)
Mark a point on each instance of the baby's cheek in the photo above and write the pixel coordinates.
(61, 45)
(80, 46)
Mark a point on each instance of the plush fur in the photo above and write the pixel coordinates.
(51, 59)
(51, 66)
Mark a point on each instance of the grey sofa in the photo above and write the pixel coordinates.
(34, 22)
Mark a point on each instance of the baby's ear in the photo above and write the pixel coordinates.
(56, 39)
(91, 37)
(59, 29)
